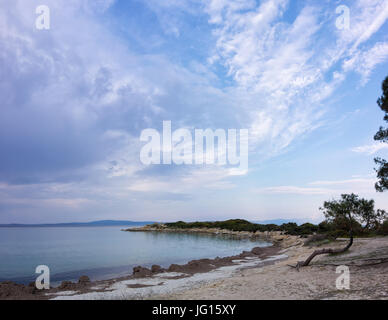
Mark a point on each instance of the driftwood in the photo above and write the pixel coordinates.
(324, 251)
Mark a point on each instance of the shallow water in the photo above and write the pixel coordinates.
(103, 252)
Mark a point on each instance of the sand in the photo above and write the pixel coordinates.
(368, 277)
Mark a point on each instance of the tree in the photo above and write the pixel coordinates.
(381, 218)
(351, 211)
(382, 135)
(355, 210)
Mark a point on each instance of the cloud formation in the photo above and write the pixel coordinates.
(370, 149)
(76, 97)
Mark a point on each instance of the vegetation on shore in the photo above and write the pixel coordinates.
(365, 221)
(335, 229)
(244, 225)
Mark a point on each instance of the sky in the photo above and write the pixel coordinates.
(76, 97)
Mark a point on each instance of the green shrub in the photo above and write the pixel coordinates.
(383, 229)
(244, 225)
(318, 239)
(333, 229)
(232, 224)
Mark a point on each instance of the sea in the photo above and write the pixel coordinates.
(103, 252)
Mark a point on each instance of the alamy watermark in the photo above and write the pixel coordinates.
(43, 280)
(42, 22)
(343, 281)
(220, 147)
(343, 20)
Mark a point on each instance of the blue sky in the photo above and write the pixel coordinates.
(75, 98)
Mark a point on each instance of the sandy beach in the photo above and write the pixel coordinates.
(271, 277)
(367, 260)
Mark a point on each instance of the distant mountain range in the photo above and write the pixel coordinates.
(100, 223)
(107, 223)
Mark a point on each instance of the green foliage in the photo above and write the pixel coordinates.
(289, 227)
(383, 229)
(382, 135)
(318, 239)
(243, 225)
(324, 227)
(294, 229)
(341, 215)
(340, 228)
(382, 175)
(233, 224)
(383, 100)
(351, 212)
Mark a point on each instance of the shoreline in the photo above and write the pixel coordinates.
(278, 238)
(12, 290)
(143, 283)
(262, 273)
(367, 262)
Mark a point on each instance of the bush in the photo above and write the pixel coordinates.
(232, 224)
(307, 228)
(383, 229)
(289, 228)
(340, 228)
(244, 225)
(302, 230)
(324, 227)
(317, 239)
(333, 229)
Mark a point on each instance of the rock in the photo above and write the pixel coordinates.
(257, 251)
(175, 268)
(83, 280)
(32, 287)
(67, 285)
(140, 272)
(156, 268)
(10, 289)
(201, 265)
(245, 254)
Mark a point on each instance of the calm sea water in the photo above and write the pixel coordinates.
(103, 252)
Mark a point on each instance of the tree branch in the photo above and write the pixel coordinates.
(324, 251)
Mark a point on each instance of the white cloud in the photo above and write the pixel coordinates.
(277, 69)
(192, 181)
(77, 82)
(364, 186)
(270, 62)
(352, 48)
(354, 182)
(373, 16)
(293, 190)
(327, 187)
(365, 62)
(284, 70)
(370, 149)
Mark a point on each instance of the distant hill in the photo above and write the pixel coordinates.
(107, 223)
(100, 223)
(281, 221)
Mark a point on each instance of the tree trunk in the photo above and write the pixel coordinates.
(324, 251)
